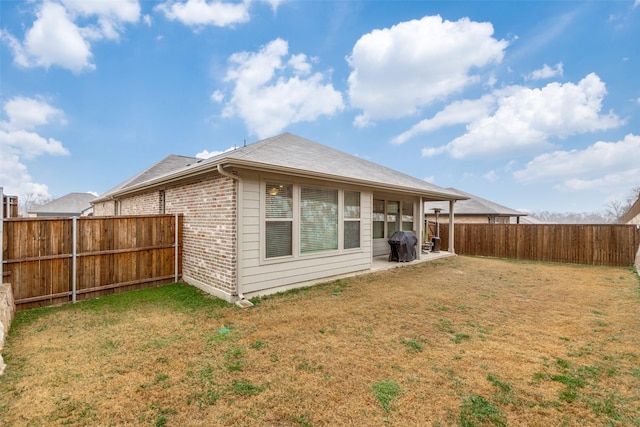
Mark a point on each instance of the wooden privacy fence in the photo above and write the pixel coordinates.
(55, 260)
(594, 244)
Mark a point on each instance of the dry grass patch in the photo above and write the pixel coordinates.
(461, 341)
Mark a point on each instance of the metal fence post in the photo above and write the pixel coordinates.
(73, 258)
(176, 250)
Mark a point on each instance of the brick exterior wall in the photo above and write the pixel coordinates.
(141, 204)
(209, 229)
(209, 226)
(104, 209)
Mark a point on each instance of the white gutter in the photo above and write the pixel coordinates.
(243, 302)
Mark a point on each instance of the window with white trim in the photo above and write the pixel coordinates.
(318, 219)
(393, 212)
(378, 219)
(351, 218)
(278, 220)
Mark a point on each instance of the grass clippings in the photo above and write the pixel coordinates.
(456, 342)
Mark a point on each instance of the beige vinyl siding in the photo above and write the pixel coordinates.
(258, 274)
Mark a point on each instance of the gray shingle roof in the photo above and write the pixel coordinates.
(474, 205)
(72, 203)
(165, 166)
(291, 154)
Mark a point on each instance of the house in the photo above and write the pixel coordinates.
(633, 214)
(73, 204)
(280, 213)
(473, 210)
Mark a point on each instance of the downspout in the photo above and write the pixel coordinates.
(243, 302)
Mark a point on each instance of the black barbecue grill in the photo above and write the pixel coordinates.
(403, 246)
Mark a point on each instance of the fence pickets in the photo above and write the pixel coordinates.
(113, 254)
(592, 244)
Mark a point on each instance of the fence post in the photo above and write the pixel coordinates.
(73, 257)
(175, 256)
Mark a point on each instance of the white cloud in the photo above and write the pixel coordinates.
(147, 20)
(217, 96)
(52, 40)
(299, 64)
(201, 12)
(18, 141)
(397, 70)
(30, 144)
(589, 165)
(525, 119)
(55, 39)
(491, 176)
(546, 72)
(28, 113)
(616, 182)
(269, 98)
(205, 154)
(111, 16)
(455, 113)
(636, 3)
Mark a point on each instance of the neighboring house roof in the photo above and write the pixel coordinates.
(293, 155)
(474, 205)
(633, 214)
(71, 204)
(531, 220)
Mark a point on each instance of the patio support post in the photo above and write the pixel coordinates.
(74, 257)
(451, 231)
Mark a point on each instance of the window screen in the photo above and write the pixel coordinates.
(351, 219)
(393, 210)
(279, 219)
(378, 219)
(407, 216)
(318, 219)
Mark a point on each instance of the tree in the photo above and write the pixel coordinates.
(615, 209)
(30, 201)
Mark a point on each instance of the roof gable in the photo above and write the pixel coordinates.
(292, 154)
(70, 203)
(165, 166)
(632, 213)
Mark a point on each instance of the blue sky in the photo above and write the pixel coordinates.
(533, 105)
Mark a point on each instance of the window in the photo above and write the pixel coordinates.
(378, 219)
(393, 212)
(279, 219)
(351, 219)
(407, 216)
(318, 219)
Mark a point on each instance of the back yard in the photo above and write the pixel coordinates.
(460, 341)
